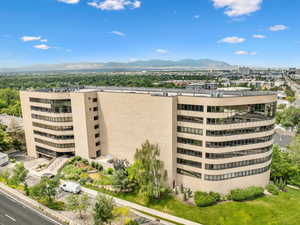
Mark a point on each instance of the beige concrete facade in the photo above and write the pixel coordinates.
(207, 142)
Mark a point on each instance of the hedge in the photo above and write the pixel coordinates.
(249, 193)
(203, 199)
(273, 189)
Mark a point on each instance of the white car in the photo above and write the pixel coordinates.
(70, 186)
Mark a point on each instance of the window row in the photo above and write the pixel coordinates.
(239, 131)
(67, 145)
(235, 119)
(196, 108)
(46, 151)
(236, 174)
(190, 119)
(52, 136)
(237, 164)
(251, 141)
(189, 173)
(51, 101)
(52, 119)
(190, 130)
(59, 109)
(189, 152)
(237, 153)
(189, 141)
(49, 127)
(267, 109)
(189, 163)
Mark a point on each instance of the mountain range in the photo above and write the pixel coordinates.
(139, 64)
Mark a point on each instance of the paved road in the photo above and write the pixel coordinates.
(14, 213)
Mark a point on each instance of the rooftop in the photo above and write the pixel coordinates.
(160, 91)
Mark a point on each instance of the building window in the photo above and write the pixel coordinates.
(185, 107)
(238, 153)
(189, 173)
(238, 142)
(95, 109)
(96, 127)
(52, 136)
(97, 135)
(189, 141)
(236, 174)
(49, 127)
(95, 99)
(52, 119)
(67, 145)
(190, 119)
(189, 130)
(98, 143)
(238, 164)
(189, 152)
(189, 163)
(96, 117)
(239, 131)
(56, 109)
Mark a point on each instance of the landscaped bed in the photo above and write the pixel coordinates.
(282, 209)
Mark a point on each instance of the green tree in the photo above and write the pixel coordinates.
(148, 171)
(282, 167)
(78, 203)
(6, 141)
(46, 189)
(121, 181)
(19, 174)
(103, 210)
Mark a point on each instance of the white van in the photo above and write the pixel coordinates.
(3, 159)
(70, 186)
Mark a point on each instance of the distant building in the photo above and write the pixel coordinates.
(244, 70)
(208, 140)
(202, 86)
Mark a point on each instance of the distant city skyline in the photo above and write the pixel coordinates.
(238, 32)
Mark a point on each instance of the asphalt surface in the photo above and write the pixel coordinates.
(14, 213)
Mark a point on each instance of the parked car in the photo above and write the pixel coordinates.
(70, 186)
(3, 159)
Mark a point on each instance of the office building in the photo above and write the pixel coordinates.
(209, 140)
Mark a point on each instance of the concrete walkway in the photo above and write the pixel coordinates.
(143, 209)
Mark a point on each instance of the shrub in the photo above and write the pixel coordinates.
(55, 205)
(131, 222)
(109, 171)
(272, 188)
(75, 159)
(203, 199)
(246, 194)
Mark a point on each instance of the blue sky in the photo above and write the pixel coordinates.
(240, 32)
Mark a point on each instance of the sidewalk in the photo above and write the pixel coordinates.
(144, 209)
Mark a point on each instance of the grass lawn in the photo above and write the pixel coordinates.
(283, 209)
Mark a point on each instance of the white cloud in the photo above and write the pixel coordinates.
(233, 40)
(244, 53)
(44, 40)
(69, 1)
(259, 36)
(196, 16)
(119, 33)
(238, 7)
(115, 4)
(30, 38)
(42, 47)
(162, 51)
(278, 27)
